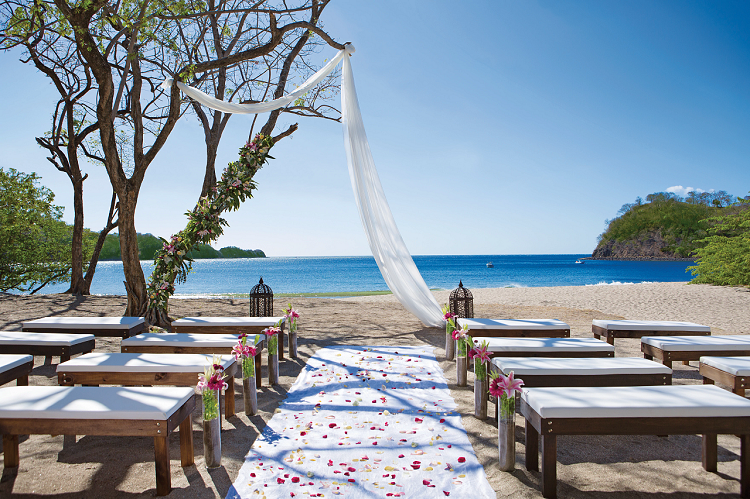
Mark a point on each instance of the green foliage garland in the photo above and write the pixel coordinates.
(172, 262)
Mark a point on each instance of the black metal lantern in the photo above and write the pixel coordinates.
(461, 302)
(261, 300)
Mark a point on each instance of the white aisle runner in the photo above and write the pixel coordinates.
(363, 423)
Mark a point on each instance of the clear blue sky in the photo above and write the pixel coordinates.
(498, 127)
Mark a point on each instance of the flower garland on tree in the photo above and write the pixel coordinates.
(171, 263)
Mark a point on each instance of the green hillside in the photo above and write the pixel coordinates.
(666, 226)
(148, 245)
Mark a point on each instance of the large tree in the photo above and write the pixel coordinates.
(48, 46)
(129, 47)
(34, 249)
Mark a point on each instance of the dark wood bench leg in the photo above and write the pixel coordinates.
(739, 391)
(258, 366)
(10, 451)
(23, 381)
(532, 447)
(163, 474)
(667, 363)
(549, 466)
(648, 356)
(611, 340)
(229, 398)
(709, 454)
(707, 381)
(187, 454)
(745, 465)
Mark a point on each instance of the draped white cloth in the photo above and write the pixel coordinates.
(390, 252)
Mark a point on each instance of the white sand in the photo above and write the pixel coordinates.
(725, 309)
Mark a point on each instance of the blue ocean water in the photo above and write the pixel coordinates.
(359, 273)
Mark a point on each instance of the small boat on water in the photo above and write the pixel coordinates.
(490, 265)
(580, 261)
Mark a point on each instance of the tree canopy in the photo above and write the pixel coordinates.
(35, 249)
(724, 258)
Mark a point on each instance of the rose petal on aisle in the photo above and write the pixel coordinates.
(363, 422)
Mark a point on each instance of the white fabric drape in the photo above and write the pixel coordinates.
(390, 252)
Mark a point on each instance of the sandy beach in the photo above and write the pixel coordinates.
(588, 467)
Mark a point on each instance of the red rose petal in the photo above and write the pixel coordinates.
(461, 459)
(295, 479)
(280, 480)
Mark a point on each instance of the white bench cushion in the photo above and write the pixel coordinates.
(9, 361)
(142, 362)
(698, 343)
(85, 322)
(650, 326)
(92, 402)
(189, 340)
(569, 366)
(683, 401)
(547, 345)
(229, 321)
(536, 324)
(47, 339)
(737, 366)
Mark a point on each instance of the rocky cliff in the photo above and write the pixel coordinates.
(648, 246)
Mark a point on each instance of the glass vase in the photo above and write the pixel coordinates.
(450, 343)
(461, 363)
(273, 368)
(211, 428)
(293, 340)
(250, 396)
(506, 432)
(481, 389)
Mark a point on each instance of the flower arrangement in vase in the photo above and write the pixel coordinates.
(450, 326)
(210, 384)
(291, 319)
(481, 357)
(505, 388)
(245, 354)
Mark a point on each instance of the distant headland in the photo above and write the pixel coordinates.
(664, 227)
(148, 244)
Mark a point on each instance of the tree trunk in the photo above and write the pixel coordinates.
(99, 244)
(135, 282)
(77, 284)
(209, 180)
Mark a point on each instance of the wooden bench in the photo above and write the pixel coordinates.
(230, 325)
(579, 371)
(686, 348)
(137, 369)
(114, 411)
(219, 344)
(611, 329)
(731, 371)
(16, 367)
(115, 327)
(516, 328)
(548, 347)
(632, 410)
(46, 344)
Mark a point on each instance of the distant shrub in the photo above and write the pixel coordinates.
(724, 258)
